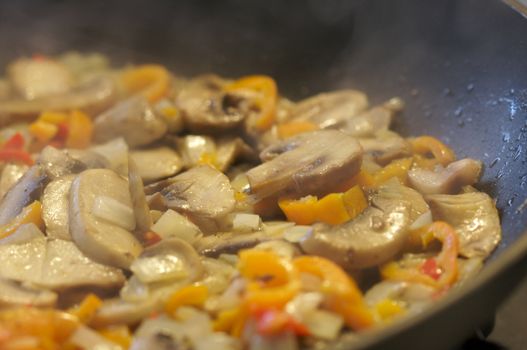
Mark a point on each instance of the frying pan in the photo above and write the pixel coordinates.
(460, 65)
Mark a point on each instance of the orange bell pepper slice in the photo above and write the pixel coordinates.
(87, 308)
(293, 128)
(150, 80)
(194, 295)
(397, 168)
(80, 130)
(446, 260)
(428, 144)
(343, 295)
(265, 97)
(333, 209)
(272, 280)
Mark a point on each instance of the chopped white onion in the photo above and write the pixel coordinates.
(323, 324)
(281, 248)
(243, 222)
(173, 224)
(217, 341)
(282, 341)
(157, 268)
(116, 151)
(297, 233)
(23, 234)
(86, 338)
(422, 220)
(134, 290)
(111, 210)
(231, 259)
(303, 304)
(384, 290)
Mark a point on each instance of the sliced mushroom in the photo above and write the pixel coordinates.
(373, 238)
(133, 119)
(156, 163)
(368, 123)
(329, 109)
(474, 217)
(137, 193)
(92, 97)
(39, 78)
(11, 173)
(305, 164)
(206, 108)
(448, 180)
(13, 293)
(90, 159)
(55, 207)
(26, 190)
(55, 264)
(393, 190)
(57, 163)
(101, 240)
(168, 260)
(385, 146)
(118, 311)
(203, 193)
(200, 149)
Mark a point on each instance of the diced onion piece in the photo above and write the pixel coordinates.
(116, 151)
(173, 224)
(282, 341)
(217, 341)
(323, 324)
(86, 338)
(134, 290)
(296, 233)
(111, 210)
(231, 259)
(23, 234)
(159, 268)
(243, 222)
(422, 220)
(303, 304)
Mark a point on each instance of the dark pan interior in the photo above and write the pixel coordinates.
(461, 66)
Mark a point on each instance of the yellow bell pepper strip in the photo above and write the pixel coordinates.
(333, 209)
(265, 97)
(46, 329)
(80, 130)
(428, 144)
(342, 294)
(43, 131)
(30, 214)
(387, 309)
(53, 117)
(293, 128)
(272, 322)
(13, 150)
(117, 334)
(446, 266)
(194, 295)
(150, 80)
(272, 280)
(397, 168)
(87, 308)
(423, 162)
(363, 179)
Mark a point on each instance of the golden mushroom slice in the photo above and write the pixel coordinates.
(105, 237)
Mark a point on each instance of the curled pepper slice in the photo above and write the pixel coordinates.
(265, 97)
(150, 80)
(343, 295)
(428, 144)
(446, 260)
(272, 280)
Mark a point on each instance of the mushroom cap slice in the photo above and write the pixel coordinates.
(156, 163)
(305, 164)
(206, 108)
(133, 119)
(55, 264)
(329, 109)
(474, 217)
(55, 207)
(13, 293)
(394, 190)
(102, 241)
(203, 193)
(373, 238)
(448, 180)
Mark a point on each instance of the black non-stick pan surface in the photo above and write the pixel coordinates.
(460, 65)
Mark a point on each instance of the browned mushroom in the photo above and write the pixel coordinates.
(133, 119)
(156, 163)
(55, 207)
(447, 180)
(103, 241)
(305, 164)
